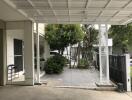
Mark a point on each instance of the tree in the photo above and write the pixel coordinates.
(60, 36)
(89, 40)
(122, 37)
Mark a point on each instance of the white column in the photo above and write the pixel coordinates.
(38, 54)
(100, 54)
(107, 55)
(29, 53)
(103, 53)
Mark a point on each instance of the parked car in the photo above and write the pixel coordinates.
(53, 53)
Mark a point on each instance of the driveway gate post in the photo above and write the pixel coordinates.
(103, 54)
(128, 73)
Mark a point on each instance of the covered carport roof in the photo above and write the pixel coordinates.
(75, 11)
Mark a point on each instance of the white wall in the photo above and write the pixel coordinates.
(11, 35)
(25, 27)
(41, 28)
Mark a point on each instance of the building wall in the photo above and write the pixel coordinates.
(19, 30)
(11, 35)
(22, 30)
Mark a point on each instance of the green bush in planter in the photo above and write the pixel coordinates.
(55, 64)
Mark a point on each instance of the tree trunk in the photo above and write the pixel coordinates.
(59, 52)
(70, 56)
(62, 52)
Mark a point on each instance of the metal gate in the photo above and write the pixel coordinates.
(119, 67)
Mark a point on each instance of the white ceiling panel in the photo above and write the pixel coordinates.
(118, 3)
(76, 11)
(98, 3)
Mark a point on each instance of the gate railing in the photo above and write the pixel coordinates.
(119, 69)
(119, 66)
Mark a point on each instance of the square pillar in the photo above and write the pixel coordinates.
(2, 57)
(100, 59)
(38, 54)
(29, 53)
(103, 53)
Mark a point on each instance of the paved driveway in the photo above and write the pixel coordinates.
(47, 93)
(73, 77)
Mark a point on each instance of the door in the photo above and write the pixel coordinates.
(18, 55)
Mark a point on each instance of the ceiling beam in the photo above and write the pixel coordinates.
(9, 3)
(107, 4)
(124, 7)
(68, 6)
(32, 4)
(51, 6)
(80, 14)
(101, 12)
(57, 1)
(77, 22)
(76, 16)
(126, 20)
(85, 10)
(87, 4)
(42, 8)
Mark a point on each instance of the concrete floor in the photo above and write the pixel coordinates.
(49, 93)
(73, 77)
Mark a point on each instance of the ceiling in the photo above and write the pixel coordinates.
(75, 11)
(7, 13)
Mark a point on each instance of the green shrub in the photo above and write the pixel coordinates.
(55, 64)
(83, 64)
